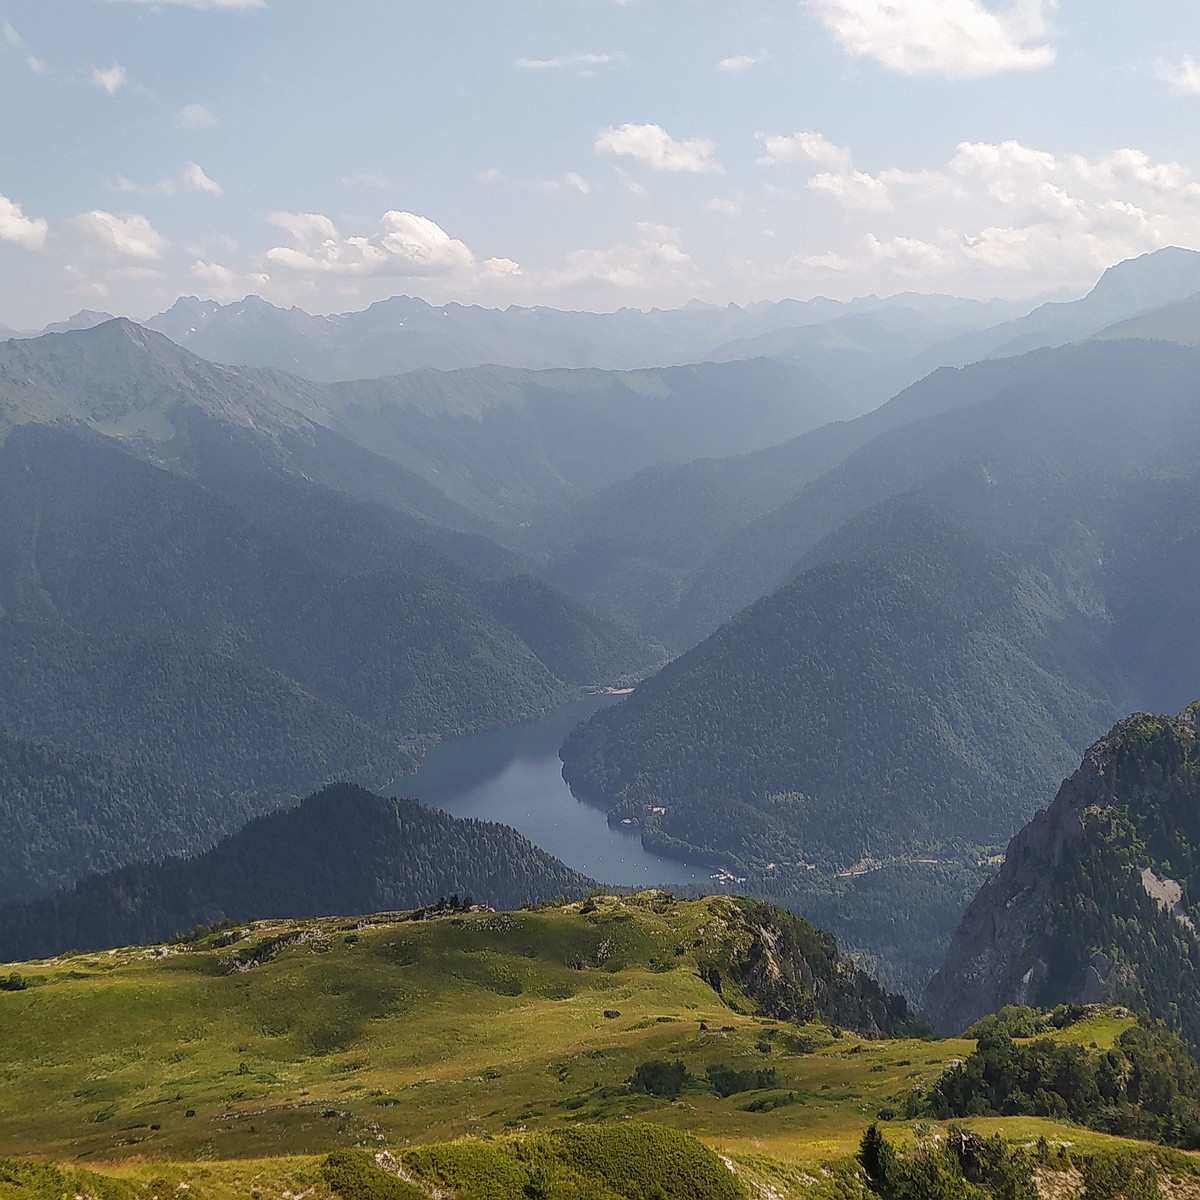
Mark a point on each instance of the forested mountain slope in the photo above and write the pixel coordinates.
(972, 598)
(342, 851)
(519, 444)
(636, 548)
(1054, 421)
(151, 621)
(100, 541)
(487, 450)
(937, 677)
(1096, 896)
(66, 811)
(190, 415)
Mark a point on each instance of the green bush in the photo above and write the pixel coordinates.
(657, 1077)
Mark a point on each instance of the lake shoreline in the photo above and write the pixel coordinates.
(513, 775)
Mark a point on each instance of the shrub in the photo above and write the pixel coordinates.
(658, 1077)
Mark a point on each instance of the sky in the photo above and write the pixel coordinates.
(585, 154)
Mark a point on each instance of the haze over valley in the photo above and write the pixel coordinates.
(567, 635)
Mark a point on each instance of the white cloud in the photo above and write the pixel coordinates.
(500, 268)
(909, 256)
(993, 218)
(15, 226)
(15, 42)
(564, 62)
(110, 80)
(191, 177)
(854, 189)
(214, 273)
(736, 63)
(828, 263)
(958, 39)
(840, 179)
(129, 236)
(571, 179)
(653, 257)
(403, 244)
(806, 146)
(1127, 166)
(653, 146)
(219, 282)
(1029, 183)
(1183, 76)
(728, 207)
(194, 177)
(630, 184)
(195, 116)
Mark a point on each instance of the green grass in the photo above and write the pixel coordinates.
(169, 1066)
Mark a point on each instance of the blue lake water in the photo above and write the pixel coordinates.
(514, 775)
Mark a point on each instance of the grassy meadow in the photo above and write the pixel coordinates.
(234, 1063)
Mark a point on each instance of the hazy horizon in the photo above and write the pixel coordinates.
(615, 153)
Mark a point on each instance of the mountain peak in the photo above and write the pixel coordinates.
(1150, 280)
(121, 330)
(85, 318)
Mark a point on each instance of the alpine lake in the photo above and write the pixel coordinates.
(513, 775)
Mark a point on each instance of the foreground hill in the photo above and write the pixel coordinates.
(463, 1022)
(342, 850)
(622, 1048)
(1095, 897)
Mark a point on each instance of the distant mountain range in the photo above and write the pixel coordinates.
(488, 450)
(866, 349)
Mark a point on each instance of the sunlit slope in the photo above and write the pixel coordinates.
(472, 1054)
(302, 1036)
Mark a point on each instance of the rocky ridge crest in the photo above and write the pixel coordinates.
(1006, 949)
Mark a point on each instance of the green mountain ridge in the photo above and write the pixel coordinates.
(487, 450)
(342, 851)
(965, 602)
(914, 676)
(1095, 898)
(149, 620)
(1059, 418)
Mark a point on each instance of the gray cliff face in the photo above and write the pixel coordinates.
(993, 957)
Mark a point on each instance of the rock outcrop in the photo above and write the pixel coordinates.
(1092, 900)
